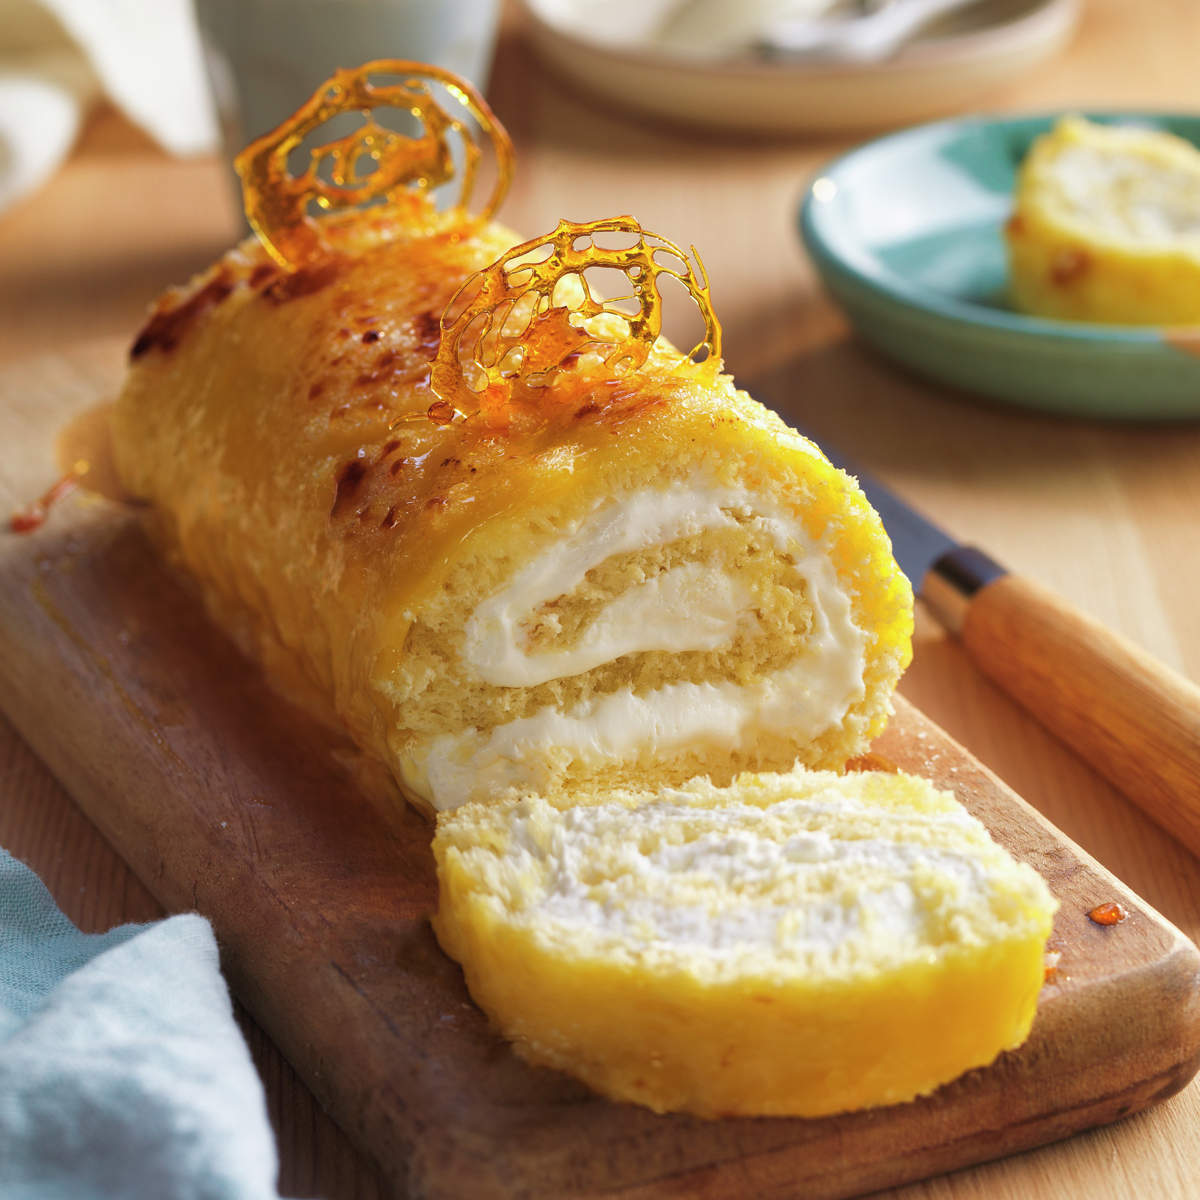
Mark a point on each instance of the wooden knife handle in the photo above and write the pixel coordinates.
(1129, 716)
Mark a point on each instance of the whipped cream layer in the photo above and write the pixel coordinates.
(821, 878)
(691, 606)
(1127, 194)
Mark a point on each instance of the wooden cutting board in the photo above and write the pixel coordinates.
(224, 799)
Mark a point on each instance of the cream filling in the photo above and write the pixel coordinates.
(694, 883)
(686, 608)
(1129, 193)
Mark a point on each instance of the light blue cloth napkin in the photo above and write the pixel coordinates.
(122, 1071)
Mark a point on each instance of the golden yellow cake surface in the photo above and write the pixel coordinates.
(278, 425)
(1106, 226)
(799, 944)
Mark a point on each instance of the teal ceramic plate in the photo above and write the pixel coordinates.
(906, 233)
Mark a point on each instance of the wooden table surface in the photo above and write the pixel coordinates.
(1107, 515)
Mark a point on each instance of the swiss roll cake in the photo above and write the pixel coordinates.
(800, 943)
(613, 575)
(1106, 226)
(609, 618)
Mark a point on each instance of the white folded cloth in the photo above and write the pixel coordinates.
(59, 56)
(123, 1075)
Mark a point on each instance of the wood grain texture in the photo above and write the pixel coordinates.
(1134, 719)
(224, 799)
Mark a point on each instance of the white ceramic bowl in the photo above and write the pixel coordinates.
(944, 70)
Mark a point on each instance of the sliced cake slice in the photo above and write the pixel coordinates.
(803, 943)
(1106, 226)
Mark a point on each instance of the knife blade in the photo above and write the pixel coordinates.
(942, 571)
(1128, 715)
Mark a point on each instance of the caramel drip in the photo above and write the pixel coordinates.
(33, 516)
(277, 201)
(513, 326)
(83, 449)
(1109, 913)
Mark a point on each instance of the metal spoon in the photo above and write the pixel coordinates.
(869, 38)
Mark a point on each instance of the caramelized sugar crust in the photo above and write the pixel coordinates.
(279, 426)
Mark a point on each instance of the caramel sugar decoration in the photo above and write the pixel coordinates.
(516, 324)
(372, 163)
